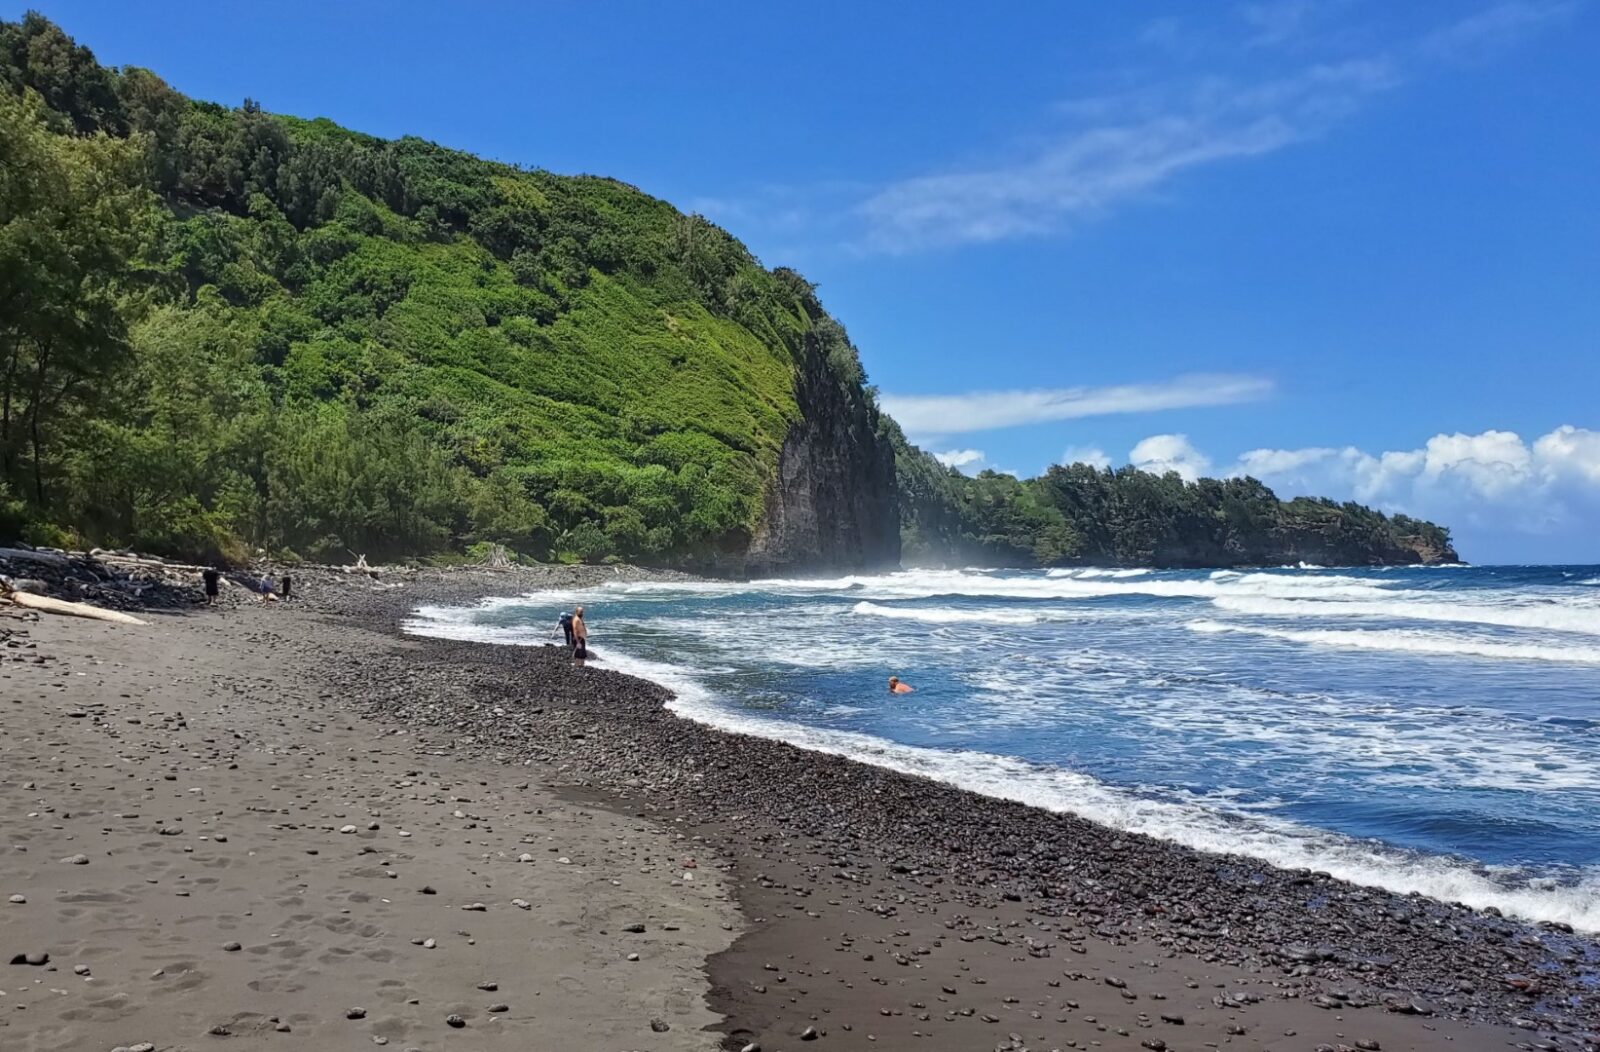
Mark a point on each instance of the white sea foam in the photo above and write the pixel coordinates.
(1088, 572)
(1403, 744)
(1547, 616)
(949, 615)
(1211, 823)
(1410, 641)
(1055, 584)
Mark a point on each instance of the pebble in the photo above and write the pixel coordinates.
(76, 860)
(355, 1013)
(455, 1021)
(17, 900)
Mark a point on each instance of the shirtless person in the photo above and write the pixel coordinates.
(580, 634)
(896, 687)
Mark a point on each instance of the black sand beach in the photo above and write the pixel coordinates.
(874, 910)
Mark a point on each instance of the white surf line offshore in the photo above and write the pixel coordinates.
(1408, 641)
(1212, 829)
(1549, 617)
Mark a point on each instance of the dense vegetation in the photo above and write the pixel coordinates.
(1081, 514)
(223, 328)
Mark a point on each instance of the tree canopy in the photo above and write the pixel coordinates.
(228, 328)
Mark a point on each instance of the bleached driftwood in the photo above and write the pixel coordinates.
(61, 606)
(139, 560)
(24, 555)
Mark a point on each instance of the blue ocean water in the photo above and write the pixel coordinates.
(1423, 729)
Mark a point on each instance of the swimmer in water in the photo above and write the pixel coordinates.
(896, 687)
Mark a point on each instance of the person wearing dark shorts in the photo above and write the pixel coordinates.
(211, 578)
(566, 626)
(284, 591)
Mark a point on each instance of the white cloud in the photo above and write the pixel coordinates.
(1308, 67)
(1160, 454)
(1280, 21)
(1094, 456)
(987, 410)
(1570, 451)
(1136, 143)
(959, 458)
(1484, 485)
(1485, 32)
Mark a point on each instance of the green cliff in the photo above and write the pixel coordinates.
(228, 328)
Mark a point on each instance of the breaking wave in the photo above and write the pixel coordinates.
(1406, 641)
(1212, 823)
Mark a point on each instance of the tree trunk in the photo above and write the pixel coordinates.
(33, 423)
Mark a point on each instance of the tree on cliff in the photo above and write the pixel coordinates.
(251, 329)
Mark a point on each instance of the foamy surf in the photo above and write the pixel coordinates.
(1382, 726)
(1405, 641)
(948, 616)
(1216, 825)
(1548, 616)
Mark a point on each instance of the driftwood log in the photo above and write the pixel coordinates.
(61, 606)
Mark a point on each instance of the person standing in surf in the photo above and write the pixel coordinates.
(580, 634)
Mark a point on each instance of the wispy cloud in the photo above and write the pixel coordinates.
(1281, 22)
(988, 410)
(1295, 70)
(1138, 143)
(1486, 32)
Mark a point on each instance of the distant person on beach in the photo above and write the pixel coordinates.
(212, 579)
(565, 620)
(897, 687)
(285, 590)
(580, 634)
(266, 589)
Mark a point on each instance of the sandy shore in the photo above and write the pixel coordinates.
(206, 766)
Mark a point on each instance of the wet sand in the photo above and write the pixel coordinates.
(208, 765)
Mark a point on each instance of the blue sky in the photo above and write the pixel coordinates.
(1350, 246)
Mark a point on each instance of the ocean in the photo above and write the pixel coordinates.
(1423, 729)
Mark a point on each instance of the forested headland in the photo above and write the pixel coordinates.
(225, 330)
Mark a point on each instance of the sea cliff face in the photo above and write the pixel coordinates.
(833, 504)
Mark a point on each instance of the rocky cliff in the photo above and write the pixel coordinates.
(833, 504)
